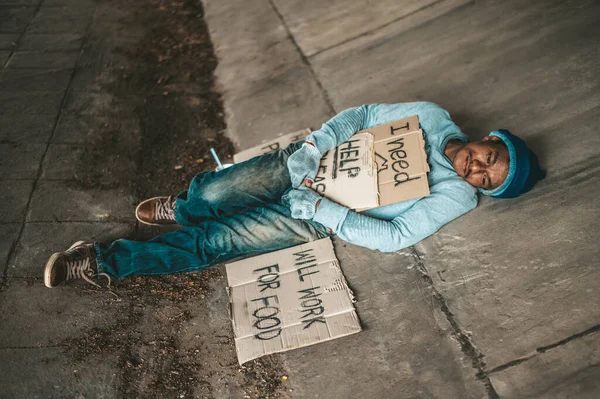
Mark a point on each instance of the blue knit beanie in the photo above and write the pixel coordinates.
(523, 171)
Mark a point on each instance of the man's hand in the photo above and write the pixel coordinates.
(303, 203)
(304, 164)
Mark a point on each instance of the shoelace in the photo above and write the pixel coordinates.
(83, 269)
(165, 210)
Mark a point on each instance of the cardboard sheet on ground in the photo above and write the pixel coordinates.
(270, 146)
(289, 299)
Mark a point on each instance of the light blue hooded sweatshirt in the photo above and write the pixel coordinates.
(393, 227)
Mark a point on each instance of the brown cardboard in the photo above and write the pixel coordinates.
(393, 167)
(269, 146)
(289, 299)
(348, 173)
(401, 160)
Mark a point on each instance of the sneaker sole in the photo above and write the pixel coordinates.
(148, 223)
(48, 269)
(50, 264)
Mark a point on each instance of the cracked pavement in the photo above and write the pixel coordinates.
(503, 302)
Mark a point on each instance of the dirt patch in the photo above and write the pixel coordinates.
(158, 106)
(181, 114)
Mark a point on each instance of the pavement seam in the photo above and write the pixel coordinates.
(582, 334)
(371, 31)
(544, 349)
(304, 58)
(466, 346)
(13, 249)
(469, 349)
(14, 48)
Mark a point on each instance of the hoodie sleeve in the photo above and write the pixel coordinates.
(448, 200)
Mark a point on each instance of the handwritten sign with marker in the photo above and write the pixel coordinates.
(401, 160)
(289, 299)
(348, 174)
(377, 166)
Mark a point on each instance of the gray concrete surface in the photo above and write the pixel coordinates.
(261, 73)
(500, 303)
(407, 348)
(574, 372)
(509, 304)
(80, 143)
(47, 202)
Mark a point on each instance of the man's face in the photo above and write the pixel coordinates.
(483, 163)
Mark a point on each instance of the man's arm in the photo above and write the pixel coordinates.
(448, 200)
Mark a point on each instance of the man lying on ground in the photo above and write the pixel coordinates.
(262, 205)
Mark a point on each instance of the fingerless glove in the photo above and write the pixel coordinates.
(304, 164)
(303, 203)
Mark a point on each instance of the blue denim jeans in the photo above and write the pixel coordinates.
(236, 211)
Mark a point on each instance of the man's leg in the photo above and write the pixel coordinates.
(191, 248)
(251, 184)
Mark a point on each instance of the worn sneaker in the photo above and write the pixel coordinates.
(77, 262)
(156, 211)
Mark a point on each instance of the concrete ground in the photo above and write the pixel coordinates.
(500, 303)
(105, 103)
(503, 302)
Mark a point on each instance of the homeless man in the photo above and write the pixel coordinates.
(263, 204)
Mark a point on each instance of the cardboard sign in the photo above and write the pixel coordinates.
(289, 299)
(348, 173)
(381, 165)
(401, 160)
(270, 146)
